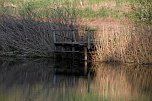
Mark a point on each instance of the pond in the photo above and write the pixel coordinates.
(37, 80)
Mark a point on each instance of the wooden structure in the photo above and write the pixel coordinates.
(70, 41)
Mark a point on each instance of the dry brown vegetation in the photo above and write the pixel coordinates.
(34, 36)
(25, 35)
(115, 41)
(124, 43)
(129, 43)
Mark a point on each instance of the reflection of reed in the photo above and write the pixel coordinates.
(25, 71)
(35, 80)
(126, 82)
(25, 80)
(65, 90)
(32, 71)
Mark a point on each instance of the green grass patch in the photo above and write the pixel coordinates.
(141, 9)
(104, 12)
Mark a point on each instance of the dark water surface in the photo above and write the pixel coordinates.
(37, 80)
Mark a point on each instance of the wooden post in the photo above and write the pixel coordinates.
(74, 36)
(85, 53)
(54, 37)
(73, 49)
(88, 39)
(54, 40)
(85, 60)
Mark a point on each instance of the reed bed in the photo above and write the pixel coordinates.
(34, 35)
(26, 35)
(31, 30)
(127, 44)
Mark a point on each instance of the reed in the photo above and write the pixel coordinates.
(127, 44)
(34, 35)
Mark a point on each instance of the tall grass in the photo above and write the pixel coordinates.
(128, 44)
(136, 9)
(132, 9)
(25, 35)
(141, 11)
(34, 34)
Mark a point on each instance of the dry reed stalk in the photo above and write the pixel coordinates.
(34, 36)
(125, 44)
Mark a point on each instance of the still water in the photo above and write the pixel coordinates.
(37, 80)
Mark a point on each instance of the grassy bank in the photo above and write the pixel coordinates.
(126, 37)
(136, 10)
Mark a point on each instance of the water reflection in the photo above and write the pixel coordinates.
(124, 82)
(36, 80)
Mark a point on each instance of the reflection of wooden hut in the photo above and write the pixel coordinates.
(36, 79)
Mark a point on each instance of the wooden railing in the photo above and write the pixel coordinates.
(73, 36)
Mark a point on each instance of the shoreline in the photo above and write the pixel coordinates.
(28, 55)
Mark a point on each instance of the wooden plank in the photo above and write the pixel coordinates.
(75, 43)
(66, 51)
(65, 37)
(66, 43)
(89, 41)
